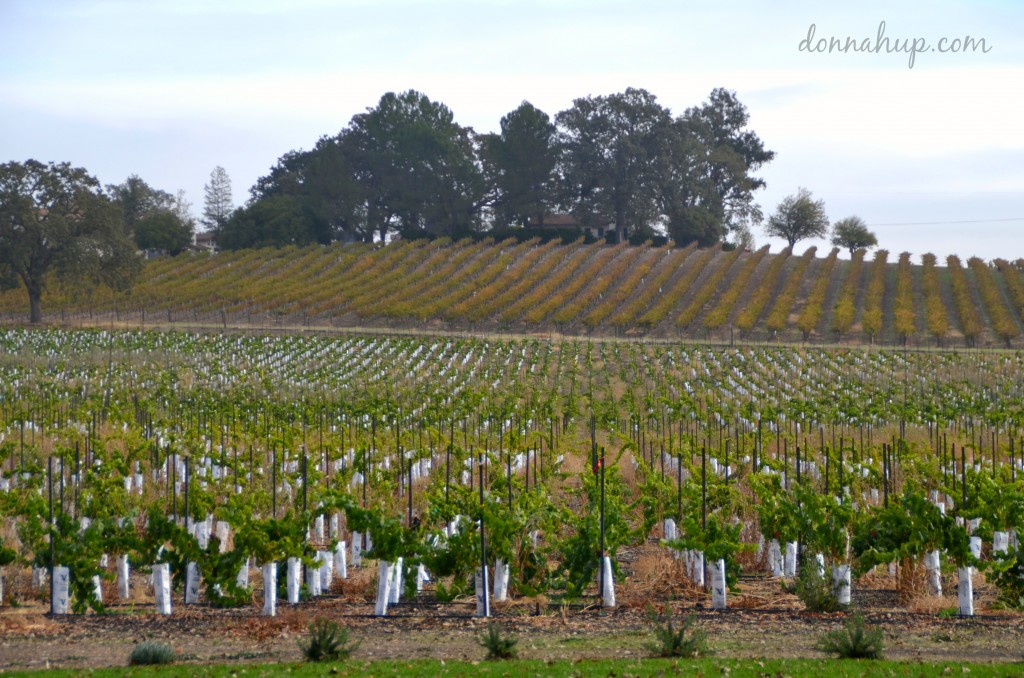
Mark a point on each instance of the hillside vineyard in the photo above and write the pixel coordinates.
(664, 292)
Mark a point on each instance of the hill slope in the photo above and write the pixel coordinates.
(573, 289)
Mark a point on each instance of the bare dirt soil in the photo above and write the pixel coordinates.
(763, 621)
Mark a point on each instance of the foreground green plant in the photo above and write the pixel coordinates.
(685, 641)
(814, 589)
(327, 642)
(855, 641)
(151, 652)
(498, 644)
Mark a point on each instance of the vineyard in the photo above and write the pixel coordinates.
(571, 289)
(168, 471)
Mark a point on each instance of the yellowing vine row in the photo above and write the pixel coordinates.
(846, 306)
(811, 314)
(873, 296)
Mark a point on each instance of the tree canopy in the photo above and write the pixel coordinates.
(799, 217)
(163, 230)
(613, 152)
(853, 234)
(519, 163)
(157, 219)
(710, 193)
(419, 166)
(622, 162)
(55, 219)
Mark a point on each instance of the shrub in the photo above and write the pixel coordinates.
(685, 641)
(814, 589)
(855, 641)
(327, 642)
(151, 652)
(498, 644)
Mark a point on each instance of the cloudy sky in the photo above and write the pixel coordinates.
(915, 131)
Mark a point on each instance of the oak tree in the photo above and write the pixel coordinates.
(798, 217)
(54, 219)
(853, 234)
(613, 148)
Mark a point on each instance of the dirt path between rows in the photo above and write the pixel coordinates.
(769, 624)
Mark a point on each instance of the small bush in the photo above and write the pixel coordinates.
(815, 590)
(327, 642)
(151, 652)
(685, 641)
(856, 641)
(1007, 573)
(499, 645)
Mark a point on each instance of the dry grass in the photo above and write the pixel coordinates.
(360, 587)
(929, 604)
(910, 580)
(658, 576)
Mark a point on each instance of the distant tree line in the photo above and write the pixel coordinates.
(620, 162)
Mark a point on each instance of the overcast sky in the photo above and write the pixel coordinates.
(930, 155)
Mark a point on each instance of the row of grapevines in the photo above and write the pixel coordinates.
(723, 309)
(399, 305)
(487, 274)
(634, 277)
(478, 273)
(1002, 322)
(935, 309)
(587, 267)
(874, 294)
(223, 283)
(392, 281)
(708, 288)
(572, 257)
(294, 298)
(779, 313)
(970, 323)
(763, 293)
(526, 271)
(341, 264)
(411, 275)
(664, 303)
(660, 276)
(225, 288)
(1011, 275)
(846, 306)
(809, 317)
(903, 309)
(363, 273)
(604, 274)
(270, 283)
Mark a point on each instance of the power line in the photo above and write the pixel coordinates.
(943, 223)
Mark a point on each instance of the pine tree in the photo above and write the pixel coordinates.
(217, 203)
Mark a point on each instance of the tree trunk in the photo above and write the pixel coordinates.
(35, 301)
